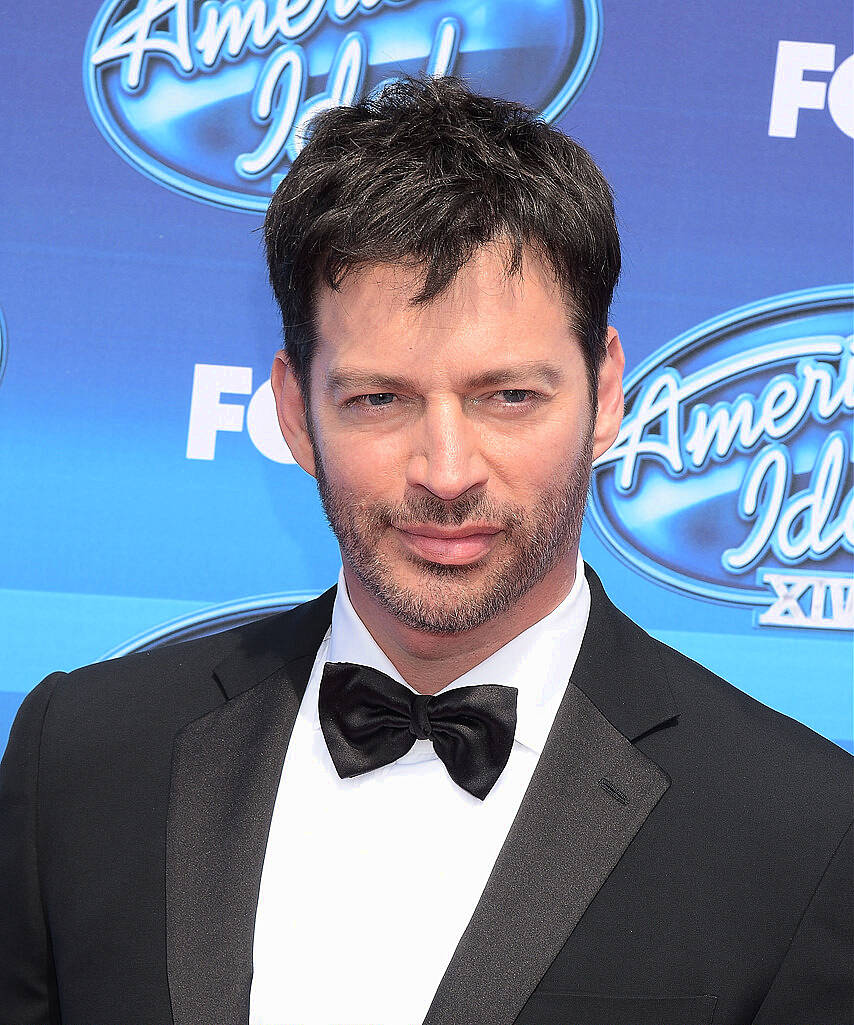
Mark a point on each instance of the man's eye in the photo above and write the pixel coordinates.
(515, 396)
(383, 398)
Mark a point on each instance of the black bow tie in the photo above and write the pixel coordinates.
(369, 720)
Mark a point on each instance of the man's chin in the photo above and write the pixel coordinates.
(435, 598)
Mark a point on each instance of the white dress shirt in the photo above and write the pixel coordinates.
(368, 883)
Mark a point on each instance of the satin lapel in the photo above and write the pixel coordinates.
(226, 768)
(590, 794)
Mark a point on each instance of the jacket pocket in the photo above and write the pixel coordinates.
(600, 1009)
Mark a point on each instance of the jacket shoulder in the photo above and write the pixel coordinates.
(696, 685)
(772, 760)
(170, 685)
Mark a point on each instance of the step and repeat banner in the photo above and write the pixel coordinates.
(146, 494)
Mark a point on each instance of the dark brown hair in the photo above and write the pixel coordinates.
(426, 172)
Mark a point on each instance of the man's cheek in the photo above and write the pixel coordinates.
(355, 451)
(370, 473)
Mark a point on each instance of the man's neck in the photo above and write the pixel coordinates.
(428, 661)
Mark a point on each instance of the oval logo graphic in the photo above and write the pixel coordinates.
(731, 477)
(211, 98)
(212, 619)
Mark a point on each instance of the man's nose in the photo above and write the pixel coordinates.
(446, 456)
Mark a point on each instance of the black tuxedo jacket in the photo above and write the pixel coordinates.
(682, 854)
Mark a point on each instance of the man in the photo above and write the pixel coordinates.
(461, 787)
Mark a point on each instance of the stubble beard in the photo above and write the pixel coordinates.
(454, 599)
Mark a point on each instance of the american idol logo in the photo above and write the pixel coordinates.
(731, 477)
(212, 98)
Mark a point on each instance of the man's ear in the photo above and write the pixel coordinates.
(609, 414)
(290, 409)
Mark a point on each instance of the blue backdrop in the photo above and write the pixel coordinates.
(144, 490)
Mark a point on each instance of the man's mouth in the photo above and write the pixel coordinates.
(451, 546)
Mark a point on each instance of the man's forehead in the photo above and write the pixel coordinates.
(372, 295)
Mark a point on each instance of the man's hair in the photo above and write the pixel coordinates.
(424, 173)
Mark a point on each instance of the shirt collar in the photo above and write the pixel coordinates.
(538, 662)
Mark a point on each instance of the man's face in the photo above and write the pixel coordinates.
(452, 443)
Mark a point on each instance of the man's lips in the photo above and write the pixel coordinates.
(452, 546)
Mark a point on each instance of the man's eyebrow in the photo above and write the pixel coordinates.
(523, 371)
(345, 379)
